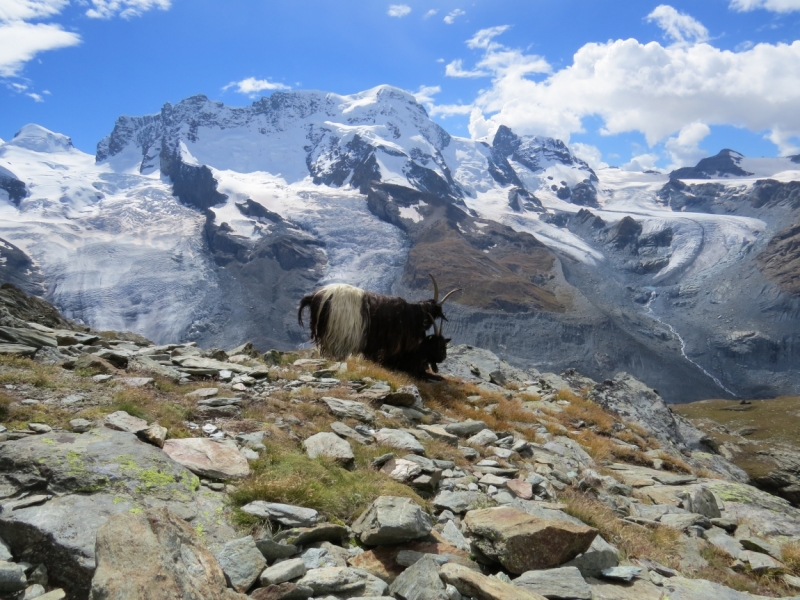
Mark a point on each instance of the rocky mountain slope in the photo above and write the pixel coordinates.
(207, 223)
(129, 469)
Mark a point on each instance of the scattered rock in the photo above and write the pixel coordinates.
(349, 409)
(465, 428)
(242, 563)
(80, 425)
(474, 585)
(203, 393)
(346, 581)
(407, 395)
(216, 459)
(155, 434)
(122, 421)
(12, 578)
(522, 542)
(621, 573)
(329, 445)
(285, 514)
(458, 502)
(438, 432)
(392, 520)
(282, 572)
(39, 428)
(395, 438)
(565, 583)
(421, 581)
(272, 550)
(483, 438)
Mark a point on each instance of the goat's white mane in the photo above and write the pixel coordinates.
(346, 330)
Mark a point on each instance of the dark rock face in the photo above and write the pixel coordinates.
(17, 268)
(726, 162)
(17, 309)
(194, 185)
(780, 260)
(15, 188)
(255, 210)
(625, 233)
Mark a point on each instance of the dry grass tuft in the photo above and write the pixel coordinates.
(660, 544)
(791, 557)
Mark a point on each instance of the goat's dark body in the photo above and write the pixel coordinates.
(395, 327)
(429, 354)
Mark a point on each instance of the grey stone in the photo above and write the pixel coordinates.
(621, 573)
(16, 350)
(215, 459)
(724, 542)
(329, 445)
(401, 470)
(153, 555)
(40, 427)
(680, 588)
(683, 522)
(203, 393)
(252, 440)
(565, 583)
(600, 556)
(760, 563)
(453, 535)
(728, 524)
(219, 402)
(439, 433)
(758, 545)
(282, 572)
(348, 432)
(155, 434)
(483, 438)
(285, 514)
(392, 520)
(465, 428)
(701, 500)
(80, 425)
(343, 582)
(395, 438)
(408, 395)
(458, 502)
(102, 378)
(12, 578)
(5, 552)
(468, 453)
(242, 563)
(272, 550)
(325, 555)
(122, 421)
(136, 381)
(349, 409)
(421, 581)
(304, 536)
(33, 591)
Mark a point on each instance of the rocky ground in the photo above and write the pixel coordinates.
(129, 470)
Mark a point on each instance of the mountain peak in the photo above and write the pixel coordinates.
(39, 139)
(724, 163)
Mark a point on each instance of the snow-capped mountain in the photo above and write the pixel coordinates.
(203, 216)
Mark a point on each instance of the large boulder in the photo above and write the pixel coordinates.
(420, 581)
(242, 562)
(402, 440)
(343, 582)
(82, 480)
(392, 520)
(216, 459)
(522, 542)
(155, 555)
(287, 515)
(565, 583)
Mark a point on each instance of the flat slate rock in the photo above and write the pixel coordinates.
(565, 583)
(242, 562)
(329, 445)
(216, 459)
(626, 574)
(349, 409)
(402, 440)
(122, 421)
(285, 514)
(392, 520)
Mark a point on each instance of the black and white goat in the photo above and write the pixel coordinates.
(430, 353)
(347, 320)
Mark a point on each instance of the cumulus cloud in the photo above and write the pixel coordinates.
(683, 148)
(252, 86)
(651, 88)
(425, 96)
(425, 93)
(590, 154)
(430, 13)
(398, 10)
(779, 6)
(642, 162)
(105, 9)
(680, 27)
(456, 69)
(21, 41)
(27, 10)
(483, 38)
(451, 17)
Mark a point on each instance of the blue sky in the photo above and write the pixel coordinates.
(625, 82)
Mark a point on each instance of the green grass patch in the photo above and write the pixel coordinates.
(286, 474)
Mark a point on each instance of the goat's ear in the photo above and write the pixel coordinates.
(447, 340)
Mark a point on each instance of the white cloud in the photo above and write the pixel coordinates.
(425, 93)
(251, 86)
(590, 154)
(36, 97)
(456, 69)
(425, 96)
(26, 10)
(642, 162)
(430, 13)
(681, 27)
(451, 17)
(21, 41)
(780, 6)
(646, 87)
(105, 9)
(398, 10)
(483, 38)
(683, 148)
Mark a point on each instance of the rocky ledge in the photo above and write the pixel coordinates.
(129, 470)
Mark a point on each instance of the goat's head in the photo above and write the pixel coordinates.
(434, 307)
(435, 346)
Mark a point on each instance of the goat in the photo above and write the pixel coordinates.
(347, 320)
(430, 353)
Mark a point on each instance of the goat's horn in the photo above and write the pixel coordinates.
(450, 294)
(435, 288)
(441, 326)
